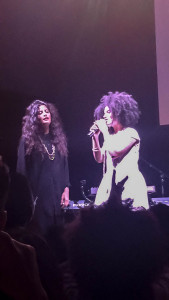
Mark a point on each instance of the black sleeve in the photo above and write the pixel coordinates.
(21, 163)
(67, 182)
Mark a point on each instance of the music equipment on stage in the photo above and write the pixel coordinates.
(151, 189)
(89, 196)
(163, 200)
(86, 194)
(76, 205)
(70, 212)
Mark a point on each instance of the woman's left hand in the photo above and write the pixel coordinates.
(65, 198)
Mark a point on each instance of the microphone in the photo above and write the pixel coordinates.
(92, 132)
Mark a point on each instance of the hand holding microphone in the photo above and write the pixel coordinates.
(97, 127)
(93, 130)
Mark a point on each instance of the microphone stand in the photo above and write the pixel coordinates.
(161, 173)
(82, 188)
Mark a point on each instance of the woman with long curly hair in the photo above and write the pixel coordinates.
(115, 118)
(42, 158)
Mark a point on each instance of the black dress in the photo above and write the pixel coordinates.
(47, 178)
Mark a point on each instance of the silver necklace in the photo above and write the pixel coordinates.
(50, 155)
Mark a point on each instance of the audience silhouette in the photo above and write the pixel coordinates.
(19, 274)
(106, 252)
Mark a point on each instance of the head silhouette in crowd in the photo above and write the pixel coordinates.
(4, 186)
(19, 205)
(115, 253)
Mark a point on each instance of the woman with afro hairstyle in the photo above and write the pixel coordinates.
(115, 117)
(42, 158)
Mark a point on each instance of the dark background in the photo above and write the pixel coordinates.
(71, 53)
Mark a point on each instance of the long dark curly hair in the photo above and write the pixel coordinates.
(31, 129)
(123, 107)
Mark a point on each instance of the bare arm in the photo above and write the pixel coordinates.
(119, 145)
(96, 149)
(102, 127)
